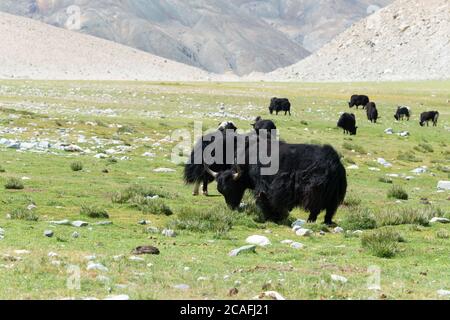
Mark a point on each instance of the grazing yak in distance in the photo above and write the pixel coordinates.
(358, 100)
(194, 173)
(429, 116)
(261, 124)
(309, 176)
(347, 121)
(402, 112)
(280, 105)
(372, 112)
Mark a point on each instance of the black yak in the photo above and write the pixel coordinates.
(194, 173)
(372, 112)
(358, 100)
(347, 122)
(402, 112)
(280, 105)
(429, 116)
(261, 124)
(309, 176)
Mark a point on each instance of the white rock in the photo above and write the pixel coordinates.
(79, 224)
(238, 251)
(299, 223)
(96, 266)
(269, 294)
(287, 241)
(443, 293)
(75, 235)
(149, 155)
(258, 240)
(338, 230)
(202, 279)
(61, 223)
(389, 131)
(384, 163)
(164, 170)
(419, 170)
(21, 252)
(304, 232)
(49, 233)
(183, 287)
(297, 245)
(337, 278)
(353, 167)
(439, 220)
(120, 297)
(169, 233)
(374, 169)
(136, 259)
(444, 185)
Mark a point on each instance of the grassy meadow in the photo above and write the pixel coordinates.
(128, 126)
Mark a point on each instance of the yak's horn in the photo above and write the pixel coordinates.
(238, 174)
(212, 173)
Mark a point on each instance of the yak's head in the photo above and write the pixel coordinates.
(353, 131)
(350, 105)
(397, 117)
(230, 185)
(422, 123)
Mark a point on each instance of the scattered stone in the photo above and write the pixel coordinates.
(269, 295)
(258, 240)
(169, 233)
(439, 220)
(444, 185)
(73, 148)
(149, 155)
(136, 259)
(338, 230)
(443, 293)
(202, 279)
(120, 297)
(353, 167)
(389, 131)
(49, 233)
(21, 252)
(384, 163)
(403, 134)
(164, 170)
(90, 258)
(61, 223)
(79, 224)
(420, 170)
(357, 232)
(244, 249)
(143, 222)
(304, 232)
(337, 278)
(298, 223)
(152, 230)
(103, 223)
(287, 242)
(75, 235)
(183, 287)
(52, 254)
(102, 278)
(146, 250)
(297, 245)
(374, 169)
(96, 266)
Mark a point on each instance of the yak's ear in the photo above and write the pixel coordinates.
(238, 174)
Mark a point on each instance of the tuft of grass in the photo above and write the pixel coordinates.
(444, 169)
(397, 192)
(385, 180)
(442, 234)
(424, 148)
(150, 206)
(14, 184)
(125, 129)
(351, 147)
(352, 202)
(23, 214)
(134, 191)
(76, 166)
(382, 243)
(359, 219)
(408, 156)
(2, 170)
(417, 216)
(94, 212)
(218, 220)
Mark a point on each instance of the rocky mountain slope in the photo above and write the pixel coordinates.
(31, 49)
(222, 36)
(408, 40)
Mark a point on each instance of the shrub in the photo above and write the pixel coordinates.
(397, 192)
(125, 129)
(94, 212)
(76, 166)
(385, 180)
(23, 214)
(382, 243)
(136, 190)
(424, 148)
(2, 170)
(14, 184)
(408, 156)
(359, 219)
(399, 216)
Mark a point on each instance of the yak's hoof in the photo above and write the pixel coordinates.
(205, 193)
(331, 224)
(195, 194)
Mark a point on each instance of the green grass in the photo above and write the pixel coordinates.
(76, 166)
(14, 184)
(94, 212)
(397, 192)
(207, 230)
(23, 214)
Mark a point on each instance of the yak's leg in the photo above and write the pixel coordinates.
(196, 188)
(205, 186)
(331, 211)
(313, 216)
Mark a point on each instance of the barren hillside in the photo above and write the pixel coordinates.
(408, 40)
(31, 49)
